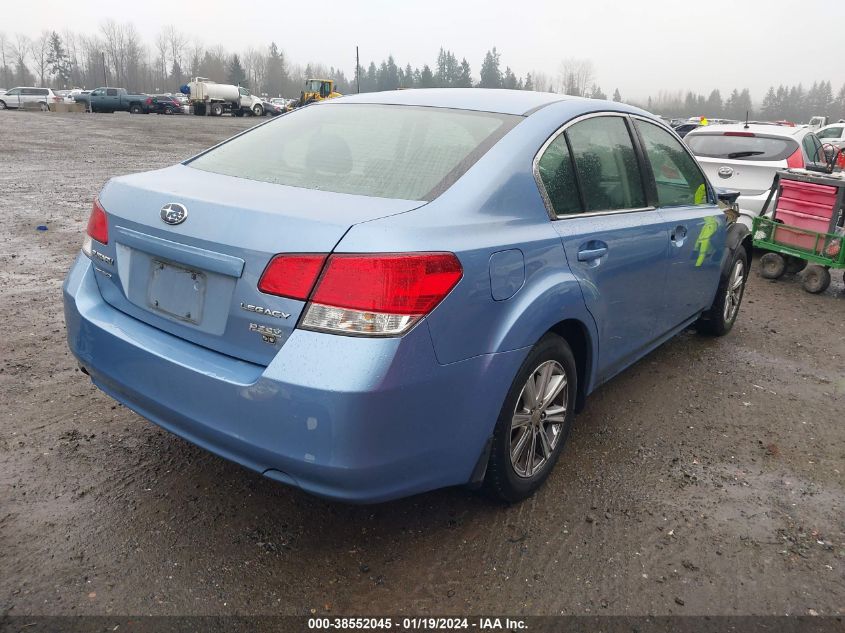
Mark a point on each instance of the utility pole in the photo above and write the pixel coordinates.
(357, 71)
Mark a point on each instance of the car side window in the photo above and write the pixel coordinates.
(27, 91)
(677, 176)
(558, 176)
(813, 148)
(606, 164)
(111, 92)
(14, 92)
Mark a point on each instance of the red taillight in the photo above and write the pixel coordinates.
(149, 100)
(291, 276)
(739, 134)
(98, 227)
(407, 284)
(796, 160)
(380, 294)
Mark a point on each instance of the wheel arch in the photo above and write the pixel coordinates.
(577, 335)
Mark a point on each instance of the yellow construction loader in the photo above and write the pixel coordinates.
(317, 90)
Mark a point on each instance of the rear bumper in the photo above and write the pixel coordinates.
(361, 420)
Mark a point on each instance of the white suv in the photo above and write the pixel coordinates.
(745, 158)
(17, 97)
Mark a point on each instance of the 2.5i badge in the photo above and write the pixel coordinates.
(268, 334)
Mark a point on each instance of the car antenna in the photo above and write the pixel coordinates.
(746, 119)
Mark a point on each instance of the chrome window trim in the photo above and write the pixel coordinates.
(542, 187)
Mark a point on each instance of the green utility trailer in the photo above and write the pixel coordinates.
(805, 231)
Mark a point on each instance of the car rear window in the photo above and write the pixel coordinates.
(739, 147)
(384, 151)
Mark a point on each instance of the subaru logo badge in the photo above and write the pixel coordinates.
(725, 172)
(174, 213)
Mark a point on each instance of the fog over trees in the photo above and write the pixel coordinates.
(116, 55)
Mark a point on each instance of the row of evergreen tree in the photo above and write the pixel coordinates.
(792, 103)
(116, 55)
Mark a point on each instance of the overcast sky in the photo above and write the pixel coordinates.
(639, 46)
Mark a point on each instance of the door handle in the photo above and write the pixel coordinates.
(679, 234)
(590, 254)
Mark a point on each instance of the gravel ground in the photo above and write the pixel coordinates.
(707, 479)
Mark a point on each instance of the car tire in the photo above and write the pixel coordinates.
(816, 279)
(527, 440)
(135, 109)
(257, 110)
(2, 105)
(216, 109)
(720, 318)
(772, 266)
(44, 107)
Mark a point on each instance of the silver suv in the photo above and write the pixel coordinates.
(18, 97)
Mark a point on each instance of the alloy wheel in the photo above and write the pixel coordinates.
(736, 286)
(538, 418)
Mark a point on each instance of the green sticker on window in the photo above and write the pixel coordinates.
(701, 194)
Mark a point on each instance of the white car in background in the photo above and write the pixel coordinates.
(833, 134)
(18, 97)
(745, 158)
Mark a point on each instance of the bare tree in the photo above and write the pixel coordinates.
(6, 75)
(176, 46)
(162, 47)
(575, 76)
(40, 51)
(20, 49)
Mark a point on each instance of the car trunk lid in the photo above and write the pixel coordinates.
(198, 279)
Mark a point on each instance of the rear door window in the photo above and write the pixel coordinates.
(606, 164)
(678, 178)
(557, 174)
(741, 146)
(813, 148)
(111, 92)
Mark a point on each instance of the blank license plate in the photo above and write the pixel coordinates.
(176, 291)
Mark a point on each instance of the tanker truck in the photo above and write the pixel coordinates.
(211, 98)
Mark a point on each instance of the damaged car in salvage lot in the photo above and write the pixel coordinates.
(388, 293)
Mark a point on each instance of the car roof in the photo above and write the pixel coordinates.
(762, 129)
(502, 101)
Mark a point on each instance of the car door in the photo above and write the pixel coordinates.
(111, 100)
(696, 226)
(12, 99)
(615, 244)
(28, 95)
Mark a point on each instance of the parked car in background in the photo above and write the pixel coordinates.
(107, 99)
(19, 97)
(685, 128)
(272, 109)
(368, 319)
(746, 157)
(164, 104)
(833, 134)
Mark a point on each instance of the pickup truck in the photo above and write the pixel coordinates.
(114, 100)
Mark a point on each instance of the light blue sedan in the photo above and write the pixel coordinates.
(388, 293)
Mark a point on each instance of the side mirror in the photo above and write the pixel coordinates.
(727, 196)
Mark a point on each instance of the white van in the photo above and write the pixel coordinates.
(17, 97)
